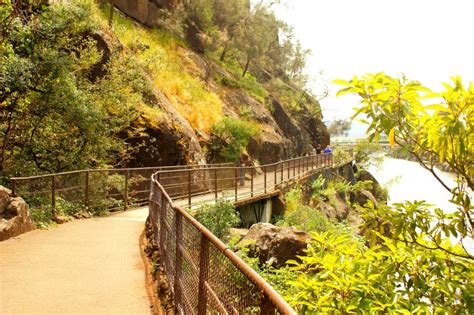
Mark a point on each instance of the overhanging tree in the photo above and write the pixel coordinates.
(435, 128)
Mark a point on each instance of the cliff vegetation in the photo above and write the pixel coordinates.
(85, 85)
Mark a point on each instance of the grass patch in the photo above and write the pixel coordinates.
(162, 55)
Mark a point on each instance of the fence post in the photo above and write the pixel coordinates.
(275, 179)
(189, 188)
(215, 183)
(251, 181)
(265, 179)
(86, 190)
(299, 166)
(282, 164)
(288, 168)
(203, 274)
(236, 179)
(125, 192)
(179, 256)
(266, 306)
(53, 195)
(294, 168)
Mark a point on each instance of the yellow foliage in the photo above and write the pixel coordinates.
(160, 54)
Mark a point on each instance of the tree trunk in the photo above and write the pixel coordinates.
(246, 67)
(224, 52)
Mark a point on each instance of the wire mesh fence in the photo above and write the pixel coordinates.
(206, 277)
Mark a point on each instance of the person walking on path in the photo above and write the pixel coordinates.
(327, 150)
(318, 149)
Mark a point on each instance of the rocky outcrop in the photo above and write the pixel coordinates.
(376, 191)
(106, 43)
(166, 138)
(281, 136)
(14, 215)
(144, 11)
(275, 245)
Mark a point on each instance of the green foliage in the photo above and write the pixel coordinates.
(433, 228)
(301, 216)
(249, 84)
(293, 199)
(219, 218)
(42, 213)
(340, 156)
(366, 151)
(306, 218)
(54, 117)
(441, 131)
(232, 137)
(340, 274)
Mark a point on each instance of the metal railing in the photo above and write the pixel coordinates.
(192, 187)
(205, 275)
(108, 189)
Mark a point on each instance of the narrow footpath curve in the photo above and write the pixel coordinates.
(88, 266)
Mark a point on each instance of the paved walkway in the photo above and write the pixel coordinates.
(88, 266)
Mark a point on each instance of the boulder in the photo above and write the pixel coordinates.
(5, 194)
(195, 37)
(14, 215)
(275, 245)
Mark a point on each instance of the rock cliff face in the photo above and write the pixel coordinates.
(168, 138)
(14, 215)
(144, 11)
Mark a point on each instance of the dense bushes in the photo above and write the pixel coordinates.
(342, 272)
(57, 114)
(219, 218)
(230, 137)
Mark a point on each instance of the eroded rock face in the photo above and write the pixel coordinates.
(14, 215)
(275, 244)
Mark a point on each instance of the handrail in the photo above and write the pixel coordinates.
(119, 170)
(186, 184)
(268, 290)
(200, 184)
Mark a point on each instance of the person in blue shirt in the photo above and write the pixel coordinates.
(327, 150)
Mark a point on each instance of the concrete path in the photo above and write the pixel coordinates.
(88, 266)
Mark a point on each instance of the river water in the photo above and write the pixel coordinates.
(406, 180)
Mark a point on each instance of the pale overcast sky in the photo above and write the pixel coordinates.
(428, 40)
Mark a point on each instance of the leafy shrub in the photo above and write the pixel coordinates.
(365, 152)
(340, 156)
(301, 216)
(293, 199)
(232, 137)
(340, 274)
(219, 218)
(306, 218)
